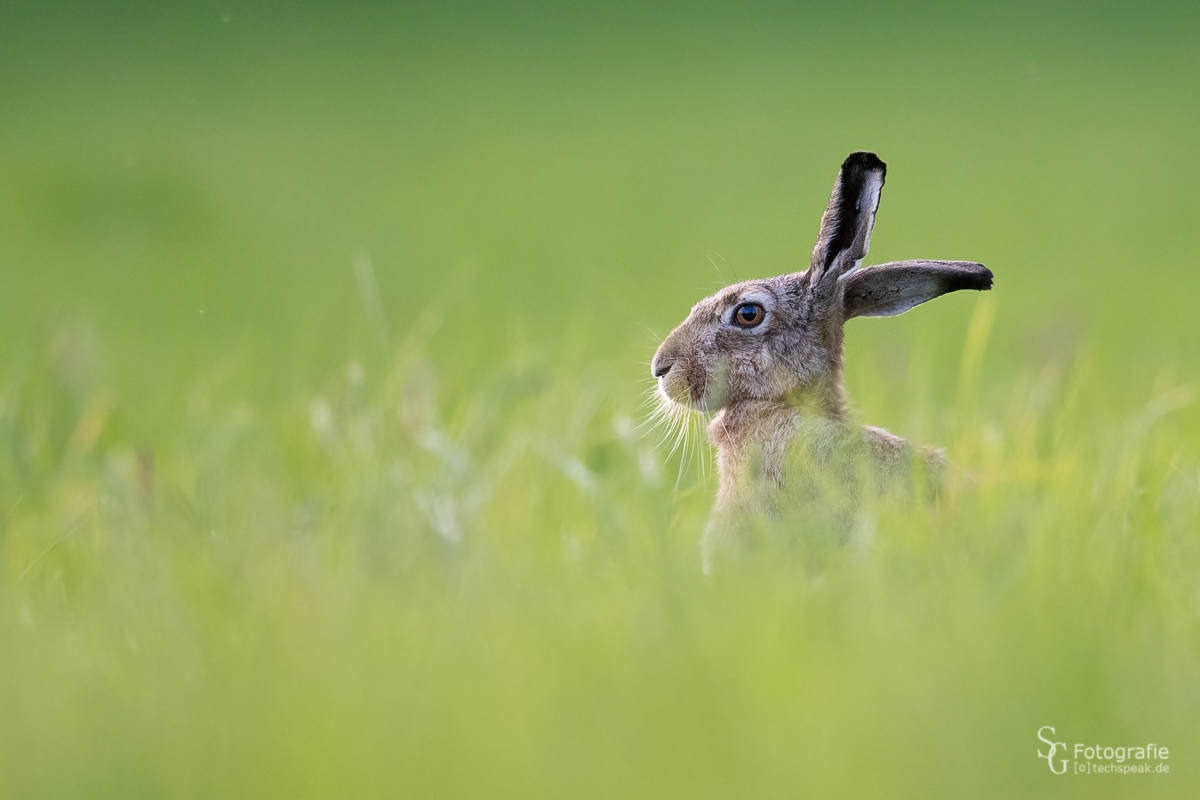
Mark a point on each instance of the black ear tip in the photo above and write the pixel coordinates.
(864, 161)
(984, 277)
(973, 276)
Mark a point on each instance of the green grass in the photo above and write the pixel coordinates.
(266, 533)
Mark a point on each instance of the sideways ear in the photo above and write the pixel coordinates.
(889, 289)
(846, 225)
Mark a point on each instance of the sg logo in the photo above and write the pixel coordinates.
(1053, 748)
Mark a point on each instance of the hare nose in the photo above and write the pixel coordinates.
(661, 367)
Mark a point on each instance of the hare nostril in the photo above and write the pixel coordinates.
(661, 369)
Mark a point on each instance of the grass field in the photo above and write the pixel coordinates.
(322, 346)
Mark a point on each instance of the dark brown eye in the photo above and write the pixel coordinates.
(749, 315)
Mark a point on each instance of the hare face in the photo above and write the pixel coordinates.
(750, 341)
(780, 339)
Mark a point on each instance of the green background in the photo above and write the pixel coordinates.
(271, 526)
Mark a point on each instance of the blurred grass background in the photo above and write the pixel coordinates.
(322, 335)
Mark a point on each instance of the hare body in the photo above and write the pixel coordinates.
(765, 358)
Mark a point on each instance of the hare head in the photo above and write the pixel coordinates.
(780, 339)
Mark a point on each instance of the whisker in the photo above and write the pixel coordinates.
(693, 442)
(736, 279)
(718, 269)
(672, 432)
(651, 332)
(677, 434)
(701, 448)
(682, 433)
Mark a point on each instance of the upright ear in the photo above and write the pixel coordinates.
(846, 225)
(889, 289)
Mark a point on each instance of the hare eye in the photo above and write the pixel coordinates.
(749, 315)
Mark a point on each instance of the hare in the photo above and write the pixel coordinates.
(764, 357)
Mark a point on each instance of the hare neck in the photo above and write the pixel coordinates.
(753, 437)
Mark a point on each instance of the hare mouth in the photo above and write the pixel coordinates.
(679, 390)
